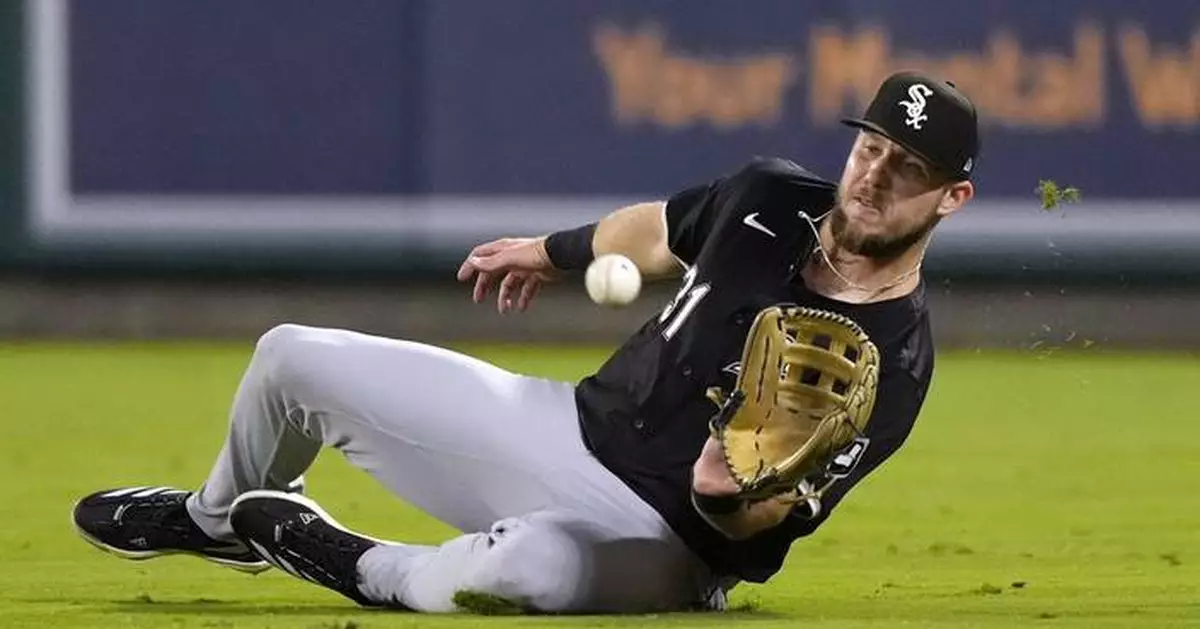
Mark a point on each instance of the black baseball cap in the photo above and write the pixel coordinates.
(928, 117)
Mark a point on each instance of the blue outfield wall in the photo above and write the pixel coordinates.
(388, 135)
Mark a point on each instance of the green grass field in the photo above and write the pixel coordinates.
(1055, 490)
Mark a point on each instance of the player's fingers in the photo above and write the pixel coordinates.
(476, 264)
(528, 292)
(502, 290)
(465, 271)
(479, 258)
(497, 262)
(483, 285)
(488, 248)
(510, 286)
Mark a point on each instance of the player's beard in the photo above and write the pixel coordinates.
(876, 246)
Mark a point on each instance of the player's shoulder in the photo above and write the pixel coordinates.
(778, 169)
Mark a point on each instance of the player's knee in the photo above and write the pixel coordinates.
(278, 341)
(284, 350)
(537, 566)
(278, 336)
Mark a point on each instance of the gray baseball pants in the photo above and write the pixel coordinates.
(494, 454)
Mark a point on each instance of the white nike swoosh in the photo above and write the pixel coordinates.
(117, 493)
(751, 220)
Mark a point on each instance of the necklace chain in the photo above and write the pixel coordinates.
(871, 293)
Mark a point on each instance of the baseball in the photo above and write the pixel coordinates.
(613, 280)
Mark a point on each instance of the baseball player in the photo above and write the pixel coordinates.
(613, 494)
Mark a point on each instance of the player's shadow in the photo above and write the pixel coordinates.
(145, 605)
(202, 606)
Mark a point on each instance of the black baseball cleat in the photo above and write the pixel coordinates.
(295, 535)
(148, 522)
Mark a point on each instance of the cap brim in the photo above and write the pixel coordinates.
(859, 123)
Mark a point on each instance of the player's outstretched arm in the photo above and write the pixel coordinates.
(639, 232)
(520, 266)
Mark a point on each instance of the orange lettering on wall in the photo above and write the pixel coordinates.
(1091, 77)
(1013, 87)
(648, 82)
(626, 59)
(1069, 89)
(1009, 86)
(763, 83)
(844, 66)
(1165, 84)
(997, 92)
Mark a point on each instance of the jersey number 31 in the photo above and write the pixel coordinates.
(684, 303)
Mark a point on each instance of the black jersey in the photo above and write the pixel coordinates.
(644, 414)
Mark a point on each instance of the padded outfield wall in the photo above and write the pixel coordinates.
(378, 135)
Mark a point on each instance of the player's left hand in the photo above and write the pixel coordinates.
(521, 265)
(710, 474)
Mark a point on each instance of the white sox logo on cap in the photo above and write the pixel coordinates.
(902, 109)
(916, 105)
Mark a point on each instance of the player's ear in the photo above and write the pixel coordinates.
(954, 197)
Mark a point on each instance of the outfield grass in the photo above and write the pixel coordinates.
(1038, 490)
